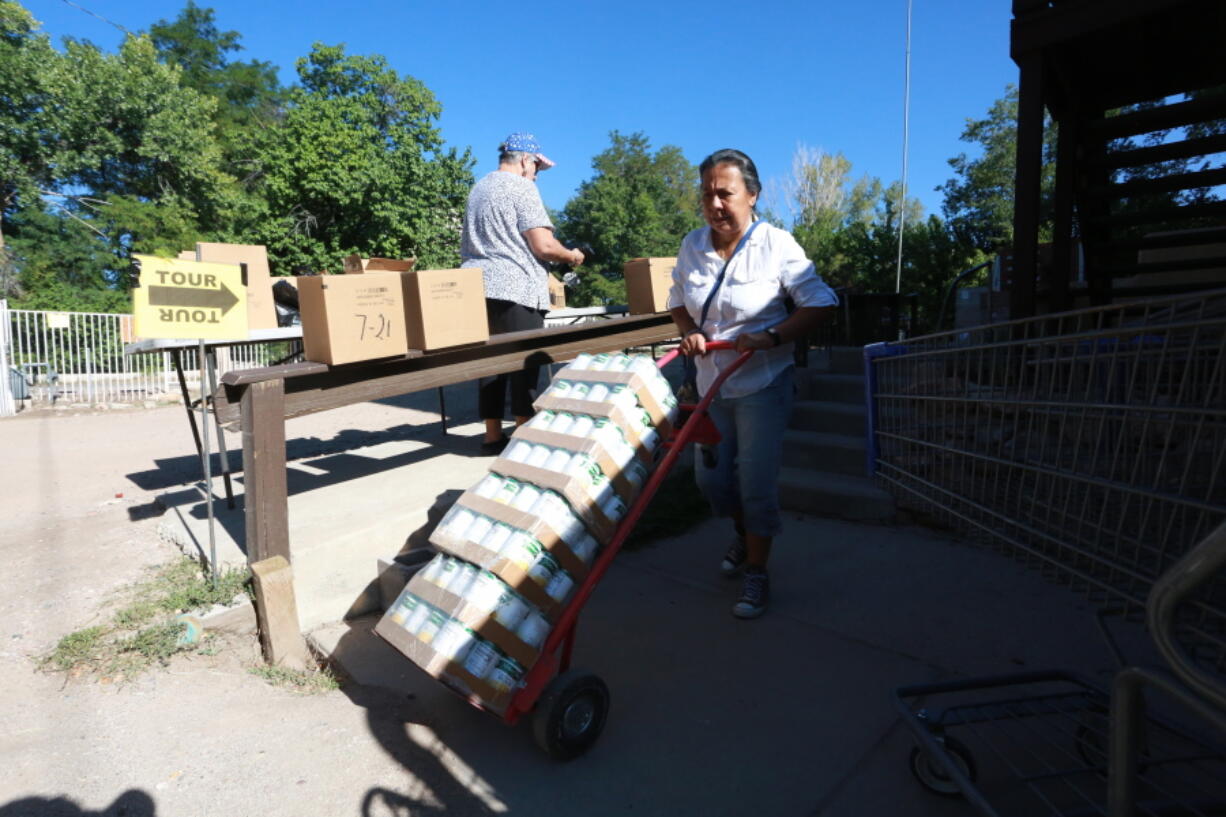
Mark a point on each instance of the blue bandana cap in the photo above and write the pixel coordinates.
(526, 143)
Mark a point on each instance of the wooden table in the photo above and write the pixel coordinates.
(259, 401)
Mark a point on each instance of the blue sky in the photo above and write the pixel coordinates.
(764, 77)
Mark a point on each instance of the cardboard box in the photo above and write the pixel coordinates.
(647, 283)
(260, 311)
(633, 425)
(626, 489)
(444, 308)
(476, 690)
(347, 318)
(354, 264)
(557, 293)
(479, 621)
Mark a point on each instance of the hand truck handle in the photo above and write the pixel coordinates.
(712, 346)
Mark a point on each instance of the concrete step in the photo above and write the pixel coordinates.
(838, 495)
(828, 416)
(839, 388)
(823, 451)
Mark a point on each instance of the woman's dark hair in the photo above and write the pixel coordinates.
(731, 156)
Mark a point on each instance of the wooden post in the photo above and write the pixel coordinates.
(277, 610)
(1026, 194)
(1068, 172)
(263, 421)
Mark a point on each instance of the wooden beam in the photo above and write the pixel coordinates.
(277, 612)
(1164, 153)
(1165, 215)
(1161, 184)
(1070, 21)
(264, 480)
(1027, 186)
(344, 385)
(1165, 117)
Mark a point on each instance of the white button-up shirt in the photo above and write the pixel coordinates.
(768, 268)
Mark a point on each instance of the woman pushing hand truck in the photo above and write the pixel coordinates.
(731, 283)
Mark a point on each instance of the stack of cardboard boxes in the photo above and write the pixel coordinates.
(648, 281)
(516, 546)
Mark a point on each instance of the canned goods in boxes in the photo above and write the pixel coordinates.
(524, 552)
(447, 572)
(539, 454)
(614, 508)
(622, 395)
(599, 362)
(505, 675)
(482, 658)
(527, 496)
(618, 363)
(433, 569)
(518, 451)
(559, 586)
(510, 487)
(562, 422)
(635, 472)
(533, 629)
(578, 390)
(598, 393)
(581, 362)
(463, 579)
(560, 388)
(496, 539)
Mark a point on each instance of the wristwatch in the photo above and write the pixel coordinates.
(774, 336)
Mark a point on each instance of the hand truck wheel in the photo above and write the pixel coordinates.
(932, 775)
(570, 714)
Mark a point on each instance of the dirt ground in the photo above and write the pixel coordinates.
(203, 736)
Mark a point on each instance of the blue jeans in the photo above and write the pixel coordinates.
(744, 477)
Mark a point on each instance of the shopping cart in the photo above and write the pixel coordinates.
(569, 706)
(1088, 444)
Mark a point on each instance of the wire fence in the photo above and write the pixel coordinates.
(77, 359)
(1090, 443)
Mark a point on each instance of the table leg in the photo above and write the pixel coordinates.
(442, 409)
(223, 452)
(264, 478)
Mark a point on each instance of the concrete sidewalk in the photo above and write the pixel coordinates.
(790, 714)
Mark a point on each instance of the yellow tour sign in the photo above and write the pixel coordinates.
(189, 299)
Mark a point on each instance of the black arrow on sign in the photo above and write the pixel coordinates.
(222, 298)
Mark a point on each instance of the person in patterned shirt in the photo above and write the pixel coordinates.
(508, 234)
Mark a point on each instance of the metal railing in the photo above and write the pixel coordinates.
(77, 358)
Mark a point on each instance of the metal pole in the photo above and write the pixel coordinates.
(208, 462)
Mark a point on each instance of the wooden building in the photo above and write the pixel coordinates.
(1136, 90)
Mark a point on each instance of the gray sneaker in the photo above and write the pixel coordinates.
(755, 592)
(734, 559)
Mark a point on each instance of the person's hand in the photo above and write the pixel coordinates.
(694, 343)
(750, 341)
(577, 258)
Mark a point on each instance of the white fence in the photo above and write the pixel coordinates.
(76, 359)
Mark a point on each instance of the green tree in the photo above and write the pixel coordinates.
(357, 164)
(637, 204)
(978, 201)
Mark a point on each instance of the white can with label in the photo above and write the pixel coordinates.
(482, 658)
(489, 486)
(599, 362)
(458, 520)
(614, 508)
(533, 629)
(405, 605)
(463, 579)
(506, 675)
(433, 568)
(623, 396)
(453, 641)
(618, 363)
(417, 620)
(485, 591)
(581, 362)
(527, 496)
(447, 572)
(598, 393)
(518, 451)
(430, 627)
(562, 422)
(511, 609)
(541, 419)
(635, 472)
(525, 552)
(539, 454)
(579, 390)
(543, 569)
(583, 425)
(496, 539)
(558, 461)
(600, 489)
(510, 487)
(559, 586)
(478, 529)
(560, 388)
(585, 548)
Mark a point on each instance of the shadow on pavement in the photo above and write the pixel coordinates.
(132, 803)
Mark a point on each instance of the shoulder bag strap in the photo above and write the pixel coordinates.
(720, 280)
